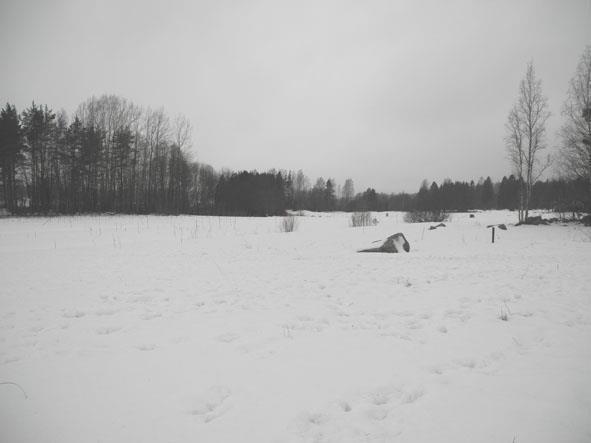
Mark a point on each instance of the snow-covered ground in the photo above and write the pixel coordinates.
(207, 329)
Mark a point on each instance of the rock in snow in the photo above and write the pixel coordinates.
(394, 243)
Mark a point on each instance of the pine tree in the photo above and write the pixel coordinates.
(330, 196)
(11, 147)
(488, 194)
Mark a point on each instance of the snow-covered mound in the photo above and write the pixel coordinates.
(212, 329)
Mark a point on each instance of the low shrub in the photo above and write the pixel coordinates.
(504, 313)
(289, 223)
(426, 216)
(361, 219)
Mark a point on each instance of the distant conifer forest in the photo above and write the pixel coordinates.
(113, 156)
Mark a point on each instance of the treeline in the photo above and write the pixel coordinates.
(251, 193)
(556, 194)
(113, 156)
(562, 195)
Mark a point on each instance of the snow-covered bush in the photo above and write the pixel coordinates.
(505, 312)
(426, 216)
(361, 219)
(289, 223)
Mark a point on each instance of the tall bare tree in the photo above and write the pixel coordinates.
(514, 142)
(576, 130)
(525, 136)
(348, 190)
(182, 132)
(301, 185)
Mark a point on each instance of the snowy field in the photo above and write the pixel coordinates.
(207, 329)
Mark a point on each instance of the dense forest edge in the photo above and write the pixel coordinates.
(115, 157)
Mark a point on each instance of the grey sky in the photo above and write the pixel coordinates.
(384, 92)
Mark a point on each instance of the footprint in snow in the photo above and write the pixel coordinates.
(74, 314)
(107, 330)
(469, 363)
(103, 312)
(345, 406)
(210, 404)
(150, 315)
(146, 347)
(458, 315)
(317, 418)
(11, 359)
(413, 324)
(380, 397)
(437, 370)
(377, 413)
(228, 337)
(36, 329)
(385, 396)
(412, 395)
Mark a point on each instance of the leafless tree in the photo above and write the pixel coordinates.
(525, 136)
(576, 130)
(514, 142)
(348, 190)
(301, 185)
(182, 131)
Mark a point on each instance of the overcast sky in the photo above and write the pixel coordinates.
(385, 92)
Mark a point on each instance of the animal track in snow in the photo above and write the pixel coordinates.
(317, 418)
(107, 330)
(435, 369)
(380, 397)
(346, 407)
(36, 329)
(467, 363)
(102, 312)
(377, 413)
(150, 315)
(228, 337)
(412, 395)
(74, 314)
(413, 324)
(211, 404)
(458, 315)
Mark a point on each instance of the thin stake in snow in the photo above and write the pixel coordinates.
(500, 226)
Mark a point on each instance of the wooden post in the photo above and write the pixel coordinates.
(493, 234)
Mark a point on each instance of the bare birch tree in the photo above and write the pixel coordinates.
(576, 130)
(348, 190)
(182, 132)
(525, 136)
(514, 142)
